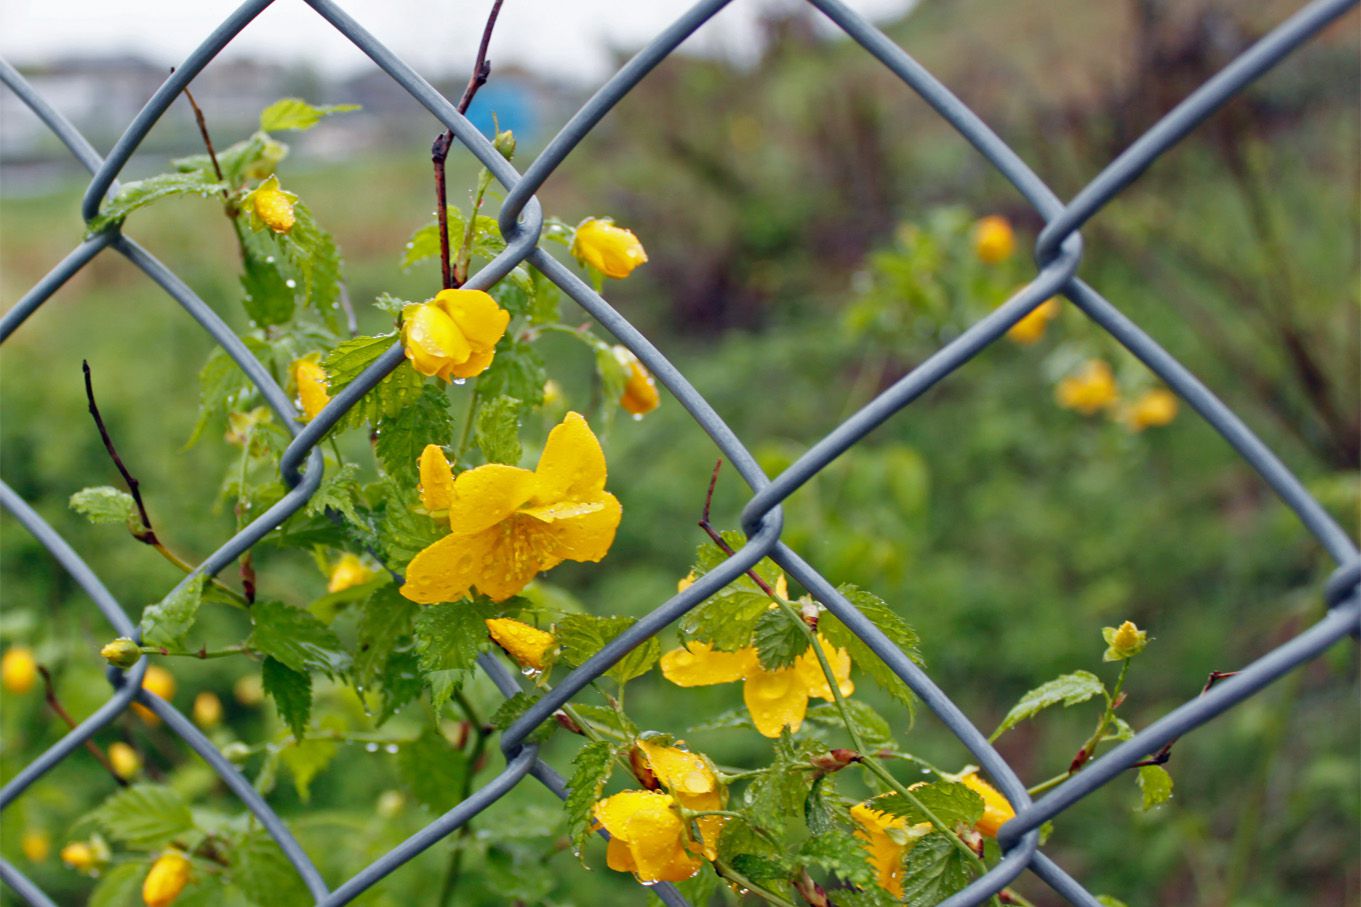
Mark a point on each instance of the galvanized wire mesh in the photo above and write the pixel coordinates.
(1057, 254)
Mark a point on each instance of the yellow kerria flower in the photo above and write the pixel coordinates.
(997, 809)
(510, 524)
(1091, 389)
(207, 710)
(1124, 641)
(640, 391)
(647, 837)
(691, 780)
(313, 390)
(529, 646)
(159, 681)
(993, 239)
(349, 571)
(167, 878)
(1031, 328)
(775, 699)
(80, 856)
(125, 761)
(611, 250)
(887, 839)
(36, 845)
(18, 669)
(1152, 409)
(271, 206)
(453, 335)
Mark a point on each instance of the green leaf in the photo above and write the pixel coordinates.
(727, 620)
(254, 158)
(312, 253)
(268, 298)
(935, 870)
(511, 710)
(498, 430)
(607, 717)
(950, 802)
(339, 491)
(424, 243)
(402, 530)
(141, 193)
(613, 373)
(763, 870)
(296, 639)
(168, 621)
(777, 795)
(104, 504)
(448, 640)
(402, 682)
(582, 635)
(820, 808)
(779, 640)
(306, 760)
(222, 387)
(295, 113)
(144, 816)
(432, 770)
(260, 870)
(121, 886)
(292, 694)
(517, 371)
(873, 727)
(840, 853)
(1106, 900)
(401, 438)
(1155, 784)
(386, 617)
(1069, 689)
(862, 656)
(396, 391)
(591, 768)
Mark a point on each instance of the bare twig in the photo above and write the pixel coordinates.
(50, 697)
(148, 535)
(1162, 755)
(717, 536)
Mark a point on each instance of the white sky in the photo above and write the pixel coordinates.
(569, 38)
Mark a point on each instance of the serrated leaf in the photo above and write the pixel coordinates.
(819, 812)
(510, 711)
(728, 620)
(840, 853)
(424, 243)
(144, 816)
(733, 719)
(606, 717)
(263, 873)
(385, 618)
(1155, 784)
(397, 390)
(339, 491)
(267, 296)
(591, 768)
(305, 761)
(779, 640)
(448, 640)
(517, 371)
(402, 530)
(1068, 689)
(401, 438)
(899, 632)
(874, 728)
(582, 635)
(292, 694)
(432, 770)
(950, 802)
(296, 639)
(121, 886)
(776, 796)
(313, 255)
(166, 622)
(295, 113)
(141, 193)
(498, 430)
(763, 870)
(253, 158)
(401, 681)
(935, 870)
(105, 504)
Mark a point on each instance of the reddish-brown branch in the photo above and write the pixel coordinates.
(50, 697)
(717, 536)
(1164, 754)
(148, 535)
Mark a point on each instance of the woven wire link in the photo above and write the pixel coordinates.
(1057, 254)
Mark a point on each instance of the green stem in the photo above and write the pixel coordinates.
(725, 870)
(465, 253)
(1049, 783)
(1094, 742)
(201, 653)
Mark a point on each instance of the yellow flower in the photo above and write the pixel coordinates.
(1124, 641)
(159, 681)
(271, 206)
(249, 690)
(640, 391)
(18, 669)
(167, 878)
(82, 856)
(887, 840)
(453, 335)
(207, 710)
(510, 524)
(997, 810)
(36, 845)
(348, 571)
(1152, 409)
(437, 480)
(993, 239)
(1091, 389)
(311, 380)
(1031, 328)
(776, 699)
(611, 250)
(240, 425)
(529, 646)
(647, 837)
(125, 761)
(691, 780)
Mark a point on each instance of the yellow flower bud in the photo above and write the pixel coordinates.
(611, 250)
(1091, 389)
(80, 856)
(453, 335)
(993, 239)
(1152, 409)
(640, 391)
(272, 206)
(1124, 641)
(505, 143)
(159, 681)
(529, 646)
(311, 380)
(167, 878)
(121, 653)
(1031, 328)
(249, 690)
(18, 669)
(552, 393)
(207, 710)
(36, 845)
(348, 572)
(125, 761)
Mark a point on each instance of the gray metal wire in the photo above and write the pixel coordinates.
(1058, 253)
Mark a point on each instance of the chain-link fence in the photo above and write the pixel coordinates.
(1057, 255)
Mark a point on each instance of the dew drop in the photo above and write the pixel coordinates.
(370, 747)
(637, 417)
(391, 748)
(290, 283)
(460, 381)
(530, 672)
(269, 259)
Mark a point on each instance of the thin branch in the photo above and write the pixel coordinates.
(50, 696)
(134, 488)
(1164, 754)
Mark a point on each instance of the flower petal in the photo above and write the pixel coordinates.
(572, 466)
(488, 495)
(431, 339)
(688, 776)
(476, 364)
(813, 678)
(437, 479)
(586, 536)
(446, 569)
(698, 665)
(776, 700)
(521, 549)
(477, 315)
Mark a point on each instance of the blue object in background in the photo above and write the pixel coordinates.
(513, 106)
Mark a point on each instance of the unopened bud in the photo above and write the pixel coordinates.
(122, 653)
(505, 143)
(125, 761)
(167, 878)
(1124, 641)
(236, 752)
(642, 769)
(207, 710)
(834, 760)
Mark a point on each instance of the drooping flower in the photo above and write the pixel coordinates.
(691, 779)
(167, 878)
(1152, 409)
(887, 839)
(611, 250)
(529, 646)
(270, 206)
(993, 239)
(640, 391)
(997, 809)
(347, 572)
(510, 524)
(1091, 389)
(647, 836)
(453, 335)
(18, 669)
(159, 681)
(313, 390)
(1031, 328)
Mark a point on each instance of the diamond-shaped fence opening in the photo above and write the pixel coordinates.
(1057, 255)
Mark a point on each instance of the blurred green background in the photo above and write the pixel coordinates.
(772, 200)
